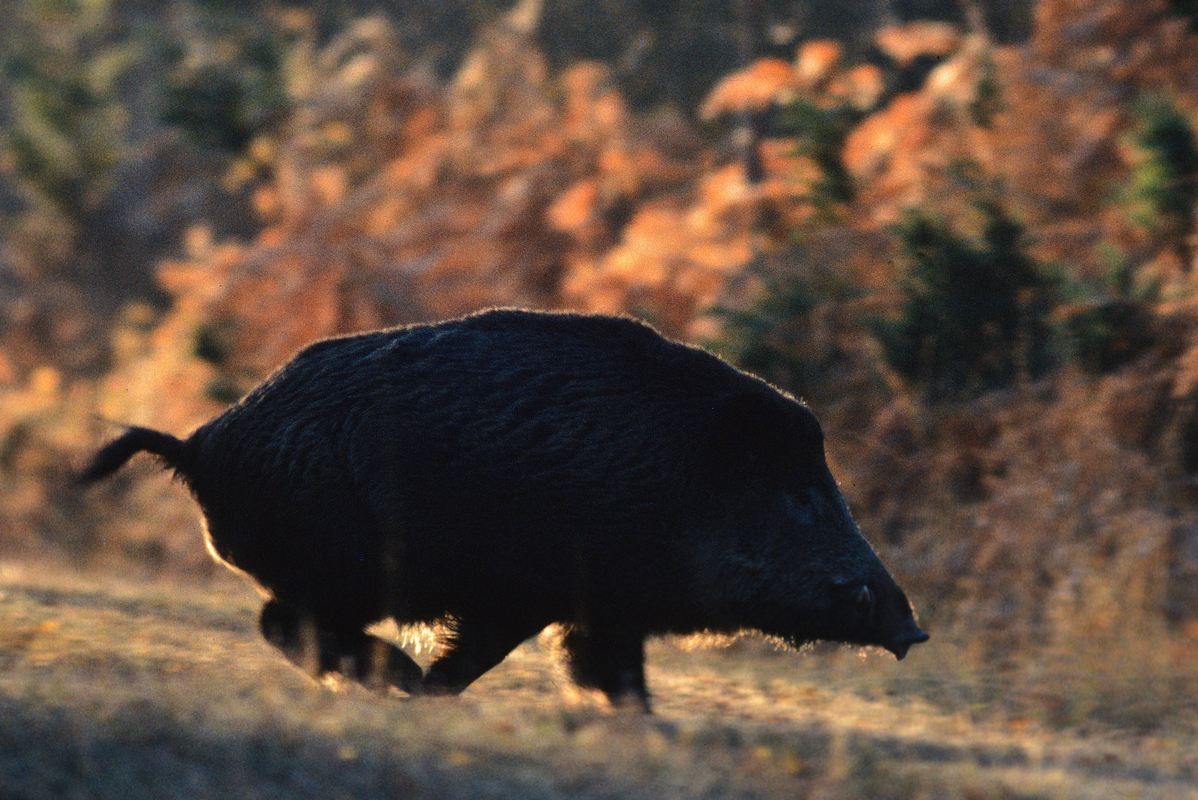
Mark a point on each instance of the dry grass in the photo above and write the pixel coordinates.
(117, 689)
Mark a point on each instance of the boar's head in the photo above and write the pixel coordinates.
(793, 562)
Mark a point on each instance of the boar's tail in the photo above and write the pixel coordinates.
(113, 455)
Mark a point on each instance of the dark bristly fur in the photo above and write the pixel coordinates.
(513, 469)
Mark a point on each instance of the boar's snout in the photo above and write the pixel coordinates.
(874, 612)
(902, 643)
(896, 628)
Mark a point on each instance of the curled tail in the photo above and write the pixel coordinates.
(113, 455)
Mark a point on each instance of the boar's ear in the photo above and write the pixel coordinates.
(753, 434)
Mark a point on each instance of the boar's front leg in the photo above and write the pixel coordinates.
(321, 649)
(472, 647)
(377, 664)
(611, 660)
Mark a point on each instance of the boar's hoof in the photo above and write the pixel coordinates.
(377, 664)
(633, 699)
(611, 661)
(319, 650)
(473, 646)
(297, 636)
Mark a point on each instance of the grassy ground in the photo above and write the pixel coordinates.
(112, 688)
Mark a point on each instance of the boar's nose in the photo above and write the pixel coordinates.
(901, 645)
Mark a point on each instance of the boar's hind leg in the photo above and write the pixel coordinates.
(610, 660)
(319, 650)
(472, 648)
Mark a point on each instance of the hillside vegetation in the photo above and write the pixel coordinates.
(967, 239)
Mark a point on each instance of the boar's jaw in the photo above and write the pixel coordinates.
(900, 645)
(892, 623)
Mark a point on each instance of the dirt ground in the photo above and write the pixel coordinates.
(116, 687)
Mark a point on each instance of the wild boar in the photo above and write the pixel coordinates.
(512, 469)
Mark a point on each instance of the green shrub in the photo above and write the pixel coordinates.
(224, 94)
(224, 389)
(974, 315)
(819, 135)
(1164, 182)
(1187, 9)
(785, 336)
(213, 342)
(1108, 328)
(62, 125)
(1107, 334)
(987, 100)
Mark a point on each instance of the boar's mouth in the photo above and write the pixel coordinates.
(902, 644)
(899, 645)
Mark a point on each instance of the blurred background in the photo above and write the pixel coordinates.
(963, 230)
